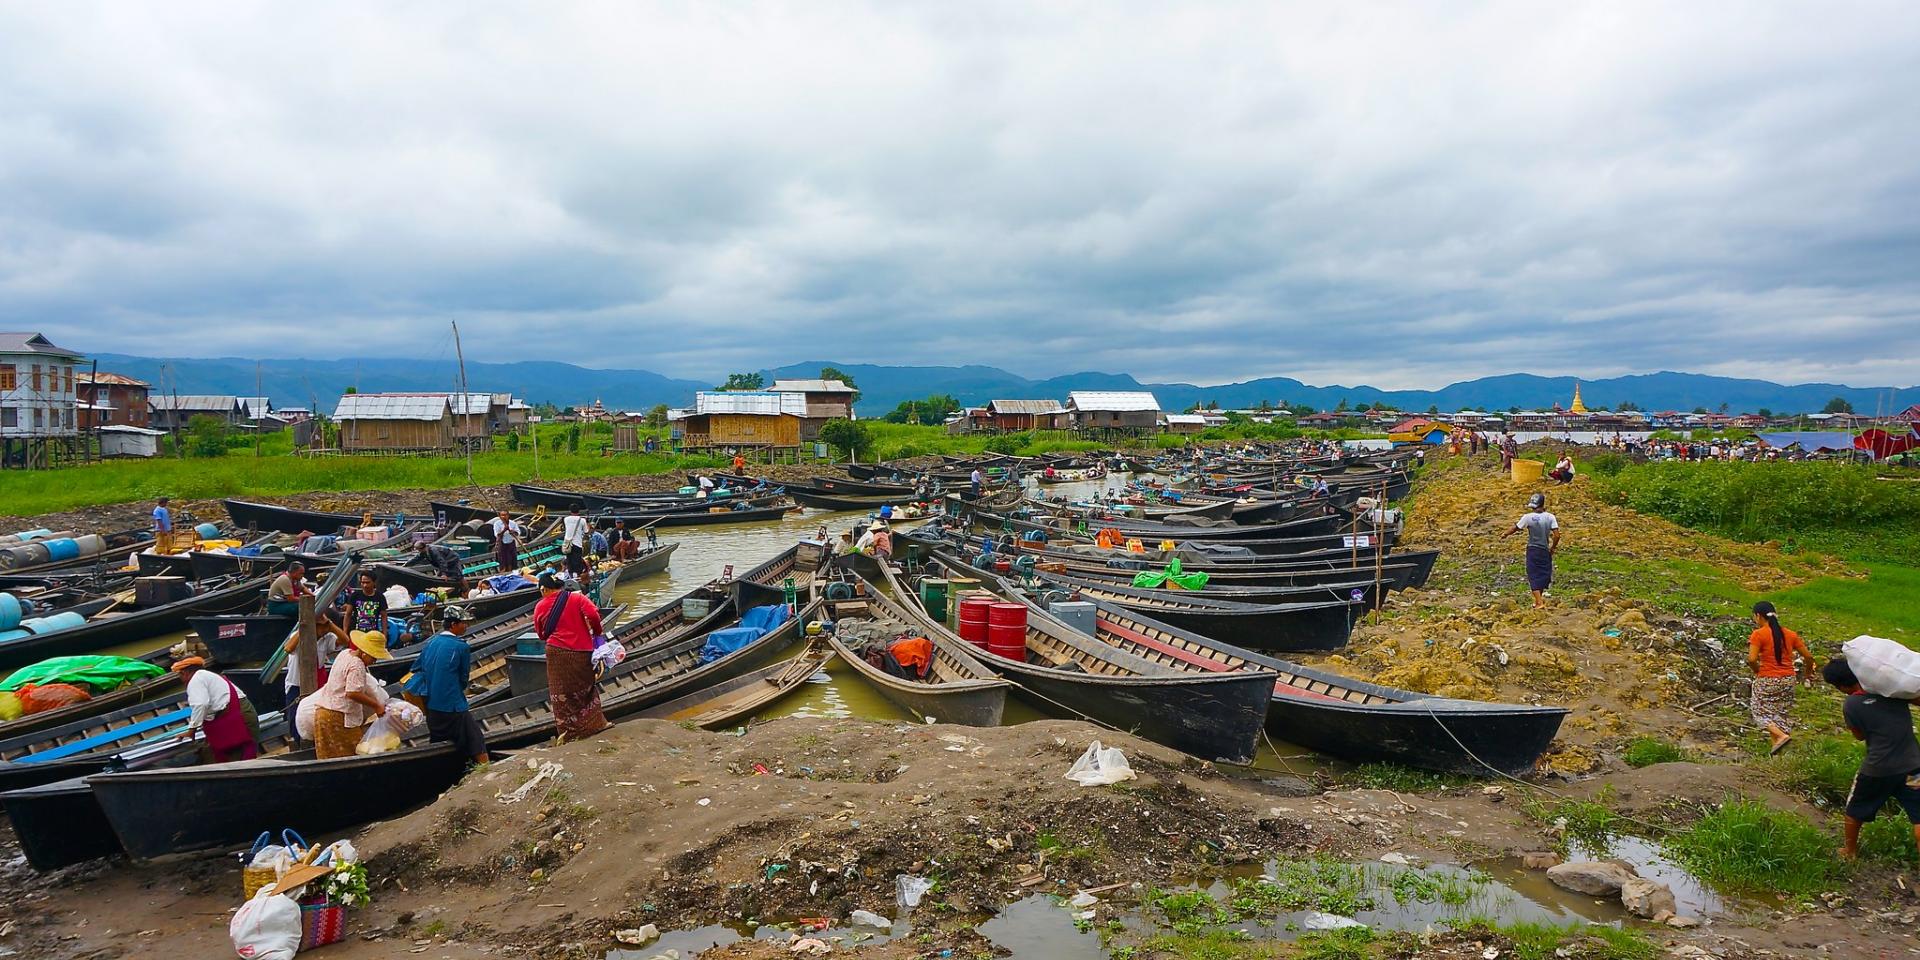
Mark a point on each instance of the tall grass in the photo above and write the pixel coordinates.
(1747, 846)
(1838, 508)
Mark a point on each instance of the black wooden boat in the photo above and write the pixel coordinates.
(959, 689)
(58, 824)
(239, 638)
(636, 520)
(113, 628)
(249, 514)
(1350, 589)
(1351, 719)
(556, 499)
(1214, 717)
(178, 810)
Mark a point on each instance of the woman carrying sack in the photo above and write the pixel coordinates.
(350, 699)
(569, 622)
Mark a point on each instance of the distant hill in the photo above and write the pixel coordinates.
(300, 382)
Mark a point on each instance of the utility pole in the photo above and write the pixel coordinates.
(256, 422)
(462, 357)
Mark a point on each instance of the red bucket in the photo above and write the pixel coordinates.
(973, 620)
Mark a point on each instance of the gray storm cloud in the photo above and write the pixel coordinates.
(1398, 194)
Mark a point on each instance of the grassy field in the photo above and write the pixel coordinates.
(274, 470)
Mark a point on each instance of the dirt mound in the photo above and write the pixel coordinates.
(655, 824)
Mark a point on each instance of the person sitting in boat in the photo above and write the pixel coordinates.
(283, 599)
(441, 675)
(220, 711)
(1374, 515)
(421, 624)
(350, 699)
(621, 541)
(706, 485)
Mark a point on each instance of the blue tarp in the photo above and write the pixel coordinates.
(1810, 441)
(508, 582)
(757, 623)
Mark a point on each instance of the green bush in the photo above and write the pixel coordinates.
(1821, 767)
(1606, 464)
(1839, 508)
(1647, 751)
(1006, 444)
(1889, 839)
(1746, 846)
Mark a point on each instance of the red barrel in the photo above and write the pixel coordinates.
(973, 620)
(1007, 630)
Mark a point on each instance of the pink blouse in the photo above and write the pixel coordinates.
(349, 674)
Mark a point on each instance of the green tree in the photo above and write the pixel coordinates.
(835, 373)
(1007, 443)
(657, 415)
(849, 436)
(1837, 405)
(1699, 409)
(1433, 408)
(1764, 413)
(513, 443)
(1723, 406)
(929, 412)
(744, 381)
(353, 390)
(573, 438)
(1628, 406)
(1342, 408)
(1266, 406)
(206, 436)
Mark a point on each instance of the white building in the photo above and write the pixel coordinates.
(37, 395)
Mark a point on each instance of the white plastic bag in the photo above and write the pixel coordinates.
(384, 733)
(608, 655)
(341, 853)
(303, 717)
(1885, 667)
(266, 927)
(268, 856)
(1100, 766)
(909, 890)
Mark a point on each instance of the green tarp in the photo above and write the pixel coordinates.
(1150, 579)
(101, 673)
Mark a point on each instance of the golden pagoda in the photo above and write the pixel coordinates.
(1577, 407)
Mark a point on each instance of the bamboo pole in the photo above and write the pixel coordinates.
(307, 648)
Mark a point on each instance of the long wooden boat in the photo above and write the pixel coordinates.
(1307, 626)
(958, 689)
(693, 519)
(112, 628)
(166, 811)
(556, 499)
(249, 514)
(1351, 719)
(1350, 589)
(727, 703)
(1214, 717)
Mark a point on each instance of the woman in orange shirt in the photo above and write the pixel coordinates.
(1772, 651)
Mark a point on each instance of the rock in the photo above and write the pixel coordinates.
(1397, 859)
(1682, 923)
(868, 918)
(1540, 860)
(1591, 877)
(1645, 898)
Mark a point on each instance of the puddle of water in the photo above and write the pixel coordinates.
(1041, 928)
(691, 943)
(1692, 896)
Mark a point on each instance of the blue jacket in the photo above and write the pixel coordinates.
(441, 673)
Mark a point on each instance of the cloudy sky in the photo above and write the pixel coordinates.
(1402, 194)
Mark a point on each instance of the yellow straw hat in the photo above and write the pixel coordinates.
(371, 643)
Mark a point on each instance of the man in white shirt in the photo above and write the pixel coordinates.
(506, 542)
(221, 711)
(573, 532)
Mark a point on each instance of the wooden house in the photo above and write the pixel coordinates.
(823, 400)
(1185, 423)
(394, 421)
(172, 412)
(110, 399)
(1106, 411)
(1011, 415)
(742, 420)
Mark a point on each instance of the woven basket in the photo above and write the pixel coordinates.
(253, 878)
(322, 922)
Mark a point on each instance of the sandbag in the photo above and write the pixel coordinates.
(39, 698)
(1885, 667)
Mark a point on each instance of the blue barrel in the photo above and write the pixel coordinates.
(207, 531)
(62, 549)
(12, 609)
(26, 535)
(64, 620)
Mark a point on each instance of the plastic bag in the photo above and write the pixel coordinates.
(383, 735)
(10, 707)
(270, 855)
(909, 889)
(607, 655)
(50, 696)
(1885, 667)
(1099, 766)
(340, 853)
(303, 717)
(267, 927)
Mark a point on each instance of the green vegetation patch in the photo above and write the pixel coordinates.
(1746, 846)
(1647, 751)
(1392, 776)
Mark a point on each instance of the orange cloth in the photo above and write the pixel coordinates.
(1760, 648)
(915, 653)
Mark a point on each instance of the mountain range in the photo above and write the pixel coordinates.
(308, 383)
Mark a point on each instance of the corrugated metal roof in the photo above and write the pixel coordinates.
(254, 408)
(123, 428)
(810, 386)
(377, 406)
(193, 401)
(755, 402)
(109, 379)
(1107, 401)
(34, 343)
(1189, 419)
(1026, 406)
